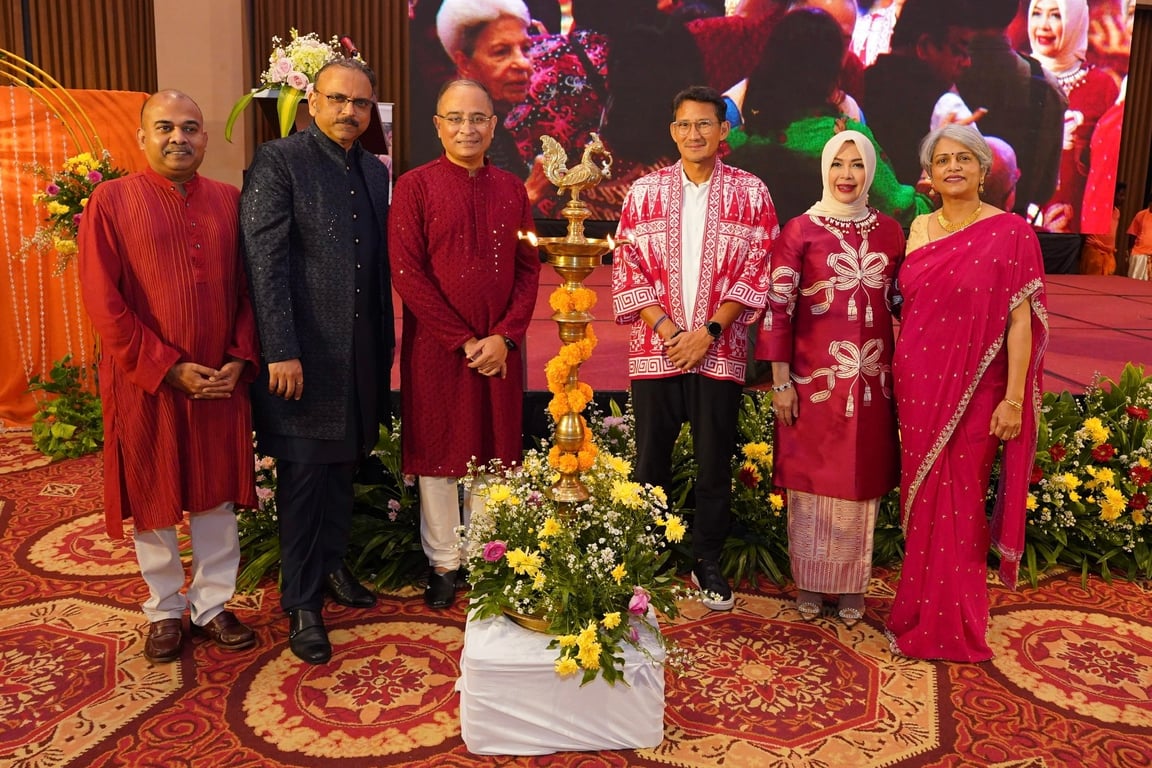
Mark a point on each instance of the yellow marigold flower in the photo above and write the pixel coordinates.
(627, 493)
(566, 667)
(618, 466)
(589, 656)
(611, 620)
(1031, 503)
(619, 572)
(1113, 504)
(758, 452)
(559, 300)
(674, 528)
(524, 563)
(776, 500)
(583, 299)
(1095, 431)
(64, 246)
(499, 493)
(567, 641)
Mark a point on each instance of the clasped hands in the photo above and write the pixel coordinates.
(487, 356)
(687, 349)
(201, 382)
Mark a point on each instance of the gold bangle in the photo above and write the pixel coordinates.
(1018, 406)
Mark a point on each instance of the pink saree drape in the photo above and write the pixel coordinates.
(950, 372)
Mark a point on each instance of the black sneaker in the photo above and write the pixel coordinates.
(709, 580)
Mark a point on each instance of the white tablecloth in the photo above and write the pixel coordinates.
(512, 702)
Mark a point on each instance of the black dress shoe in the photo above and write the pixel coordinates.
(441, 589)
(307, 637)
(343, 587)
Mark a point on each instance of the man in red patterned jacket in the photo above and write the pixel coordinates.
(691, 279)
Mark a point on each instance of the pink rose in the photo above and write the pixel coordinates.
(52, 190)
(633, 635)
(95, 177)
(281, 69)
(494, 550)
(639, 602)
(297, 80)
(76, 218)
(394, 505)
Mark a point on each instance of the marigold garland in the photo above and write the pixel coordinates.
(572, 300)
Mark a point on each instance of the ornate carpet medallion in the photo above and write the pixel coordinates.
(80, 547)
(387, 690)
(765, 689)
(71, 673)
(1092, 664)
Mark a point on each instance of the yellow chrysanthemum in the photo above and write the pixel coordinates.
(64, 246)
(1069, 481)
(539, 580)
(589, 656)
(524, 563)
(619, 572)
(674, 528)
(618, 466)
(1073, 496)
(1095, 431)
(57, 208)
(776, 501)
(611, 620)
(761, 453)
(499, 493)
(1113, 504)
(566, 667)
(551, 527)
(1138, 516)
(628, 493)
(567, 641)
(1031, 503)
(659, 495)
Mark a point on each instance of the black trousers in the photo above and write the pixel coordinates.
(711, 408)
(314, 507)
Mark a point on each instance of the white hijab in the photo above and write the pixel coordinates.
(831, 207)
(1072, 47)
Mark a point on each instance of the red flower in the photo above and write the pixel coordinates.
(749, 476)
(1037, 474)
(1137, 413)
(1138, 501)
(1058, 452)
(1103, 452)
(1140, 475)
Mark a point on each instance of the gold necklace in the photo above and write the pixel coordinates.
(949, 227)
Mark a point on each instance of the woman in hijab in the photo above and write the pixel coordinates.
(1058, 32)
(828, 334)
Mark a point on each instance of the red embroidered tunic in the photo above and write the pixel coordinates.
(829, 318)
(738, 232)
(163, 283)
(461, 272)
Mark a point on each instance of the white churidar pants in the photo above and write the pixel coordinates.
(440, 514)
(215, 558)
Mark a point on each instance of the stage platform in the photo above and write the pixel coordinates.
(1097, 325)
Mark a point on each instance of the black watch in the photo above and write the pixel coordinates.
(714, 329)
(509, 343)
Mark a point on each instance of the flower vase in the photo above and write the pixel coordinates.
(533, 622)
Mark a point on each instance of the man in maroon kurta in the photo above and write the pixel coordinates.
(163, 283)
(468, 285)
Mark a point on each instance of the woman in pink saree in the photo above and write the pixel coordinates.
(967, 374)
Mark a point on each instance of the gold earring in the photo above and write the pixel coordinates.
(981, 186)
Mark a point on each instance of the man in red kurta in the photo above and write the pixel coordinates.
(468, 285)
(163, 283)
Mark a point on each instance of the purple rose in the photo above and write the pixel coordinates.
(639, 602)
(95, 177)
(494, 550)
(52, 190)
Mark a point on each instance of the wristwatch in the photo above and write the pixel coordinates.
(714, 329)
(509, 343)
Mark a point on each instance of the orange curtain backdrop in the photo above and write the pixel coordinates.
(42, 318)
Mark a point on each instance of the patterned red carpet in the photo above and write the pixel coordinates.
(1071, 684)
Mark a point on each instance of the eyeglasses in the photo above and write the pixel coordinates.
(457, 121)
(963, 158)
(338, 100)
(684, 127)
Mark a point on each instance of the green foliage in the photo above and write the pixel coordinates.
(70, 422)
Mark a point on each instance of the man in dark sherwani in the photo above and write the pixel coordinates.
(313, 213)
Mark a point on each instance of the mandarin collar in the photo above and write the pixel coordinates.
(331, 148)
(166, 183)
(461, 170)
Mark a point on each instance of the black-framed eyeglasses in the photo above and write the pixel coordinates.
(456, 121)
(338, 100)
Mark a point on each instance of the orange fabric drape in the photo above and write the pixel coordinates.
(41, 315)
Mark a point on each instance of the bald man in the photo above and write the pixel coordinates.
(1000, 184)
(162, 280)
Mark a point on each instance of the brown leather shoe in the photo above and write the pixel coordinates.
(227, 632)
(165, 641)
